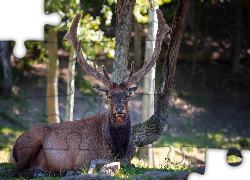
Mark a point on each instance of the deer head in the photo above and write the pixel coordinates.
(117, 94)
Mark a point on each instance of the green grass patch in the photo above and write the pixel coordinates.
(211, 140)
(127, 172)
(234, 159)
(244, 142)
(5, 170)
(180, 140)
(8, 135)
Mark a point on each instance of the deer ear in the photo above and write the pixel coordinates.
(133, 89)
(100, 92)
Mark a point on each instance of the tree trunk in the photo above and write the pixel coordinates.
(52, 78)
(149, 82)
(124, 15)
(137, 44)
(70, 86)
(7, 71)
(149, 131)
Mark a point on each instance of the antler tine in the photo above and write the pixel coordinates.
(137, 76)
(88, 68)
(162, 30)
(128, 78)
(109, 81)
(98, 75)
(72, 37)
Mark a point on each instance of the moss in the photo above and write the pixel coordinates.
(135, 128)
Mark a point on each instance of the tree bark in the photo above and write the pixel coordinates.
(52, 78)
(7, 71)
(70, 86)
(149, 131)
(124, 15)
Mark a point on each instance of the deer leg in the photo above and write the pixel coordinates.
(22, 169)
(26, 162)
(24, 173)
(25, 151)
(18, 169)
(129, 155)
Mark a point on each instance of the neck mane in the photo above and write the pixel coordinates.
(119, 131)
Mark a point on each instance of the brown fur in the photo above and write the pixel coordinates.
(67, 146)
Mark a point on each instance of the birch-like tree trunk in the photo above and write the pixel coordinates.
(71, 83)
(7, 71)
(70, 86)
(149, 82)
(52, 78)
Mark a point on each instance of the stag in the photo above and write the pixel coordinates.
(67, 146)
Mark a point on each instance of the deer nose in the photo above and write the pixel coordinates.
(119, 109)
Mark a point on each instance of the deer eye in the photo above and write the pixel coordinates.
(109, 97)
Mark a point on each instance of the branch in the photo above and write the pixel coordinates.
(150, 131)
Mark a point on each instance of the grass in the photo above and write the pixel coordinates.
(212, 139)
(130, 173)
(125, 171)
(234, 159)
(8, 136)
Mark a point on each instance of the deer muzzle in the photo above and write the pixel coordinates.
(119, 110)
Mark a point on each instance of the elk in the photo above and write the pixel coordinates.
(67, 146)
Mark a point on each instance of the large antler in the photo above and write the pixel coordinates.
(72, 37)
(163, 28)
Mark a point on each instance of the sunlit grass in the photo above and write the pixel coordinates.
(142, 168)
(233, 159)
(7, 136)
(125, 171)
